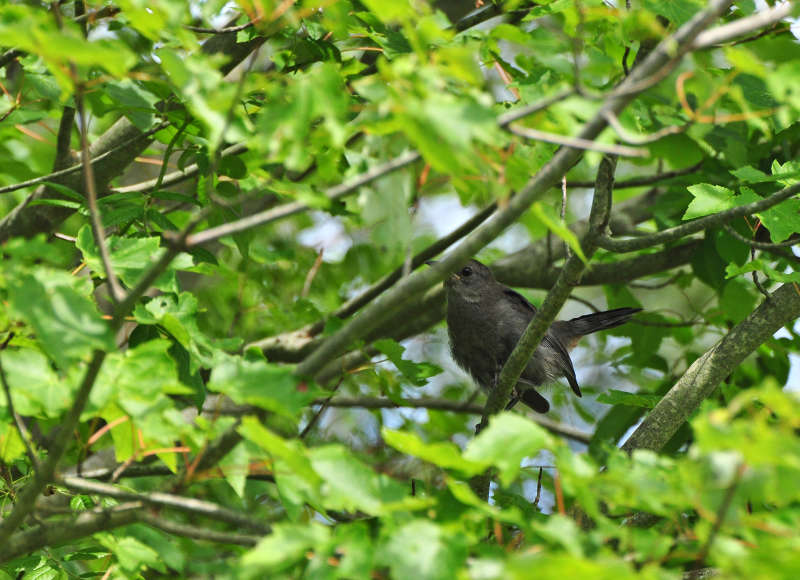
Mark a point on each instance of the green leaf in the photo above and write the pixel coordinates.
(782, 220)
(131, 258)
(11, 446)
(291, 452)
(137, 104)
(676, 11)
(760, 265)
(546, 215)
(786, 173)
(259, 383)
(36, 388)
(178, 316)
(560, 530)
(66, 322)
(286, 545)
(137, 380)
(748, 174)
(444, 454)
(424, 550)
(737, 301)
(416, 373)
(507, 440)
(352, 485)
(708, 199)
(131, 554)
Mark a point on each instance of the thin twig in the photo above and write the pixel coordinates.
(98, 230)
(78, 167)
(526, 111)
(759, 245)
(176, 176)
(452, 406)
(721, 513)
(628, 137)
(577, 142)
(713, 220)
(226, 30)
(659, 285)
(18, 423)
(323, 406)
(538, 488)
(644, 180)
(168, 152)
(312, 273)
(288, 209)
(197, 533)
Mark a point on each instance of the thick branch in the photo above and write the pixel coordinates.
(69, 530)
(700, 380)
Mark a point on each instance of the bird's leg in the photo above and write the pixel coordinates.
(514, 397)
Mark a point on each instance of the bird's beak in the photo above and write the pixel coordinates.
(431, 262)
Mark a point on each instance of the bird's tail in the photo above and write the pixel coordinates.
(589, 323)
(530, 397)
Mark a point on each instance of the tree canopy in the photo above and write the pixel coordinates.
(221, 353)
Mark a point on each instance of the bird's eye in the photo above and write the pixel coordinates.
(466, 271)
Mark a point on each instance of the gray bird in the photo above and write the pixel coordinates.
(486, 319)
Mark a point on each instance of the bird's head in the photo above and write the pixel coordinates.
(471, 283)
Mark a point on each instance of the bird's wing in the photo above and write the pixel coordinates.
(550, 341)
(519, 302)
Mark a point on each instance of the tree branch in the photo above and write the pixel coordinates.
(288, 209)
(710, 221)
(577, 143)
(743, 26)
(196, 533)
(62, 531)
(98, 230)
(96, 158)
(155, 498)
(178, 176)
(643, 180)
(703, 376)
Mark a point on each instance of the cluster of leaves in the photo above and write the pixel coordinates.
(288, 101)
